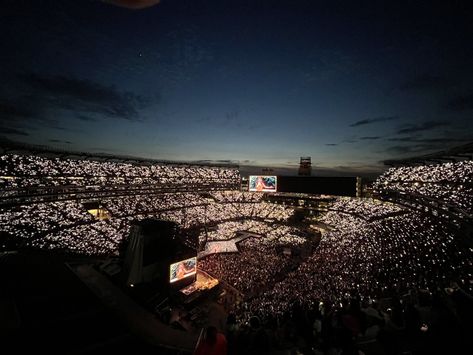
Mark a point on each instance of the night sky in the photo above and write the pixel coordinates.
(256, 82)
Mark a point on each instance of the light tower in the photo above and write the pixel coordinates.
(305, 166)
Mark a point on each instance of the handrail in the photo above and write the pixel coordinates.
(199, 339)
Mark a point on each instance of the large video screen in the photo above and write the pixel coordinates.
(262, 183)
(182, 269)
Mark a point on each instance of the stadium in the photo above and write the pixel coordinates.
(388, 273)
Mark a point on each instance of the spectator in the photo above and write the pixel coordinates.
(213, 343)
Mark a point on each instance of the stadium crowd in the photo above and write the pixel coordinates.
(64, 225)
(416, 322)
(370, 250)
(449, 183)
(18, 172)
(377, 278)
(367, 259)
(257, 266)
(365, 208)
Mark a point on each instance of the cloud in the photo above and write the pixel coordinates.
(25, 114)
(374, 120)
(424, 145)
(86, 118)
(14, 111)
(402, 139)
(347, 140)
(370, 138)
(416, 148)
(426, 82)
(430, 140)
(13, 116)
(400, 149)
(59, 141)
(216, 161)
(15, 131)
(417, 143)
(84, 96)
(461, 103)
(29, 101)
(425, 126)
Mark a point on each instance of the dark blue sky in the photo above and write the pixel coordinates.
(257, 82)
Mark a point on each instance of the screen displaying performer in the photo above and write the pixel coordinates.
(182, 269)
(262, 183)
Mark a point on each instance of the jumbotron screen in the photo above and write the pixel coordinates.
(262, 183)
(182, 269)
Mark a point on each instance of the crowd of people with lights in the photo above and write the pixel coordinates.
(368, 248)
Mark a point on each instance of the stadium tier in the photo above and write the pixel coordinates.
(29, 178)
(442, 186)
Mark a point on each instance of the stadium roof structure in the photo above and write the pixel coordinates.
(11, 147)
(463, 152)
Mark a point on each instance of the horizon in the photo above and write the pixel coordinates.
(245, 170)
